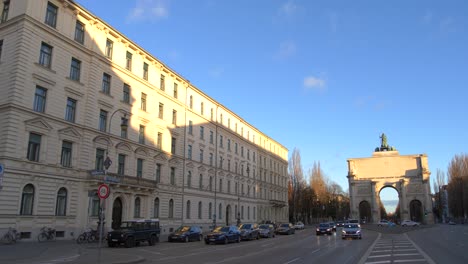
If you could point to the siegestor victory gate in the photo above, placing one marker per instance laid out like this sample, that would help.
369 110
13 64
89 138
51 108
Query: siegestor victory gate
407 174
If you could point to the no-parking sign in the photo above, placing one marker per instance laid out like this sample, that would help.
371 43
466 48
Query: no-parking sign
103 191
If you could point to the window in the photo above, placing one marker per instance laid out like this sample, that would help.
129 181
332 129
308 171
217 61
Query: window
45 57
235 148
201 155
211 114
121 165
211 137
220 141
79 32
221 118
174 117
137 209
191 102
145 70
106 83
188 209
202 108
202 132
220 212
162 83
143 102
175 90
156 208
109 48
99 159
40 99
124 129
51 15
103 120
200 181
210 211
126 93
190 127
229 145
1 48
61 206
211 159
128 64
27 200
220 185
229 187
248 212
242 212
172 176
75 70
173 145
70 111
200 210
210 185
159 140
141 135
139 172
158 173
161 111
171 208
242 151
34 147
95 204
66 157
6 8
189 154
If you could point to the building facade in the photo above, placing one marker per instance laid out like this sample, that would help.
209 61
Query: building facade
82 105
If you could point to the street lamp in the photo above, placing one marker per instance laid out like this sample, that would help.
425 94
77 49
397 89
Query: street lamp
123 126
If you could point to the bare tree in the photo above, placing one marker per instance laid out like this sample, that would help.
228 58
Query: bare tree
458 186
296 180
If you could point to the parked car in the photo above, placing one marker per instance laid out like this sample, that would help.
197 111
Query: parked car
333 225
131 233
324 228
409 223
452 223
352 231
223 234
285 229
249 231
266 230
186 234
299 225
383 222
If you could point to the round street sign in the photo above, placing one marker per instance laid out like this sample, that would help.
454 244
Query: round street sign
103 191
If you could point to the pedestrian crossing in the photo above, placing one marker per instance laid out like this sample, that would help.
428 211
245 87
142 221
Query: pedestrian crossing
396 248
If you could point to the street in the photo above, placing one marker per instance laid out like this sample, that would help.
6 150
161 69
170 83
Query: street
435 244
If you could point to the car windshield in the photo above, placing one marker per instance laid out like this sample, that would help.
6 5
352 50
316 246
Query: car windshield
324 225
183 229
351 226
264 227
284 225
246 226
127 225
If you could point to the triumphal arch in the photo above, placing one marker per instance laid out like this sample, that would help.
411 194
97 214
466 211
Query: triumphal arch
407 174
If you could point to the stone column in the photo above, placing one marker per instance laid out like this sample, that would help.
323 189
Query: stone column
403 202
374 207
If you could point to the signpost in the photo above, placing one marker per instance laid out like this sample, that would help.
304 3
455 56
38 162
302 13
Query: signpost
103 193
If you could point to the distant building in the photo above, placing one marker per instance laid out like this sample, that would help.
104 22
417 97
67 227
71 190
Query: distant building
81 104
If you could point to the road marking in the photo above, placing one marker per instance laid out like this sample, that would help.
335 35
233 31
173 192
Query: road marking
267 245
378 262
420 250
409 260
369 250
380 256
61 260
406 254
380 251
291 261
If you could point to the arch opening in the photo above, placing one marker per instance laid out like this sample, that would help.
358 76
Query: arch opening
389 204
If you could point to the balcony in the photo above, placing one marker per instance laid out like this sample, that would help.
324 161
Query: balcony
121 180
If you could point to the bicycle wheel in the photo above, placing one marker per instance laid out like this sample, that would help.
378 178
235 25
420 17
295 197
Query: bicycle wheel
91 238
42 237
80 239
8 239
52 236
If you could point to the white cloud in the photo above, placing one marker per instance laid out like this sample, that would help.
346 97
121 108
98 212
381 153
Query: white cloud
314 83
289 8
286 50
149 10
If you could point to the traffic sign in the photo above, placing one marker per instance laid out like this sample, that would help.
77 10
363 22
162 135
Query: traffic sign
103 191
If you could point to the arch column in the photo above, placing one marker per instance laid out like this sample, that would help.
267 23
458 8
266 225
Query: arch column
404 213
375 212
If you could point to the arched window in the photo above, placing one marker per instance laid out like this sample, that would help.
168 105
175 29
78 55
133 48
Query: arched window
200 210
61 206
220 211
137 208
187 213
156 208
189 179
27 200
171 208
210 210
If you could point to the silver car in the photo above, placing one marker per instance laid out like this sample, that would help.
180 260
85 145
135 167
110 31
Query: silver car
352 231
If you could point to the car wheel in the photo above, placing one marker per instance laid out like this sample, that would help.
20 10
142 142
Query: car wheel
186 239
130 242
360 237
152 240
226 240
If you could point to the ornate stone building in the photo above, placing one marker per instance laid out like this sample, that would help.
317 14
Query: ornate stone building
81 104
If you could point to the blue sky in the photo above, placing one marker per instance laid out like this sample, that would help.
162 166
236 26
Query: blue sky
326 77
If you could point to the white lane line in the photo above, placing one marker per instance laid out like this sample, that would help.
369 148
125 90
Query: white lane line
291 261
408 249
409 260
420 251
378 262
407 254
379 251
380 256
267 245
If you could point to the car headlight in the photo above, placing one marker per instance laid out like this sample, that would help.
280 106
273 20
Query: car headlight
328 229
318 230
359 231
344 232
122 235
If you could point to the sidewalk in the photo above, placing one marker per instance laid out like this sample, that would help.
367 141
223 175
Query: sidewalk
65 251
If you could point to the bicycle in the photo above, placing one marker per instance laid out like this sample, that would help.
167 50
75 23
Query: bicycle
47 233
11 236
89 236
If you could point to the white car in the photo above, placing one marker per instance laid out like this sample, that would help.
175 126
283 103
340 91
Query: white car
383 222
409 223
299 225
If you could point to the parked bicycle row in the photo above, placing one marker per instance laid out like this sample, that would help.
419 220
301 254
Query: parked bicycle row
12 235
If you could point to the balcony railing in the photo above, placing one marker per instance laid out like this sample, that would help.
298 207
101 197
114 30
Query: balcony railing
277 203
114 178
